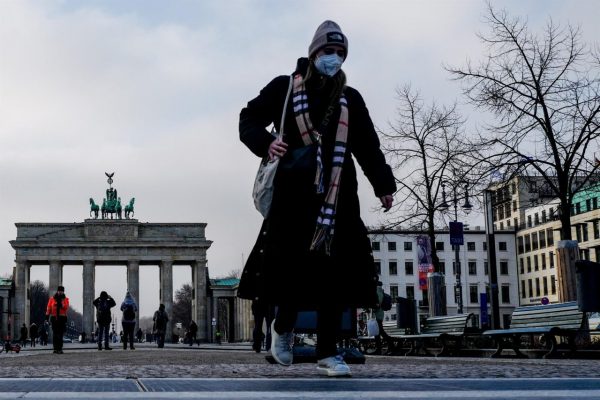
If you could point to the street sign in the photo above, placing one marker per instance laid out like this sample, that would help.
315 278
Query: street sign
456 233
545 300
214 322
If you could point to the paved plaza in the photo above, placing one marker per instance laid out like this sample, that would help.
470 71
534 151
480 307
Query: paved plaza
234 371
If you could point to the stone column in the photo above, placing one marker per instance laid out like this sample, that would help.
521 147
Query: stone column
567 252
21 315
199 301
166 293
55 276
133 285
89 289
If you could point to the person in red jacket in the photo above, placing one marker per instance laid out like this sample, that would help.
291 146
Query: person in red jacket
56 312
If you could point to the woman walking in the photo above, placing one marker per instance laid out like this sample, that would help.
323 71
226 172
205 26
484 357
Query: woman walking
300 262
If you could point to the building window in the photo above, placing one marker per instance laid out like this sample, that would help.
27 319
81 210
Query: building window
443 267
485 244
439 246
529 221
534 241
596 227
407 246
470 246
530 284
553 284
545 285
543 257
542 236
505 293
528 264
536 219
550 237
375 246
473 294
537 287
522 265
410 292
472 267
378 267
393 267
523 291
503 267
551 257
394 292
391 246
544 219
514 205
584 231
527 243
536 266
502 246
486 268
408 268
520 247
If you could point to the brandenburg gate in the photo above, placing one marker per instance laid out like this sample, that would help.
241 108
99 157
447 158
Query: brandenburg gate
113 241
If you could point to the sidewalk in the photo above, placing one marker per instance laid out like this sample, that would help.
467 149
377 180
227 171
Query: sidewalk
239 361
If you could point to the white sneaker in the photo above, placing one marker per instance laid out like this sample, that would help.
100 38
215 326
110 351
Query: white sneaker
333 366
281 346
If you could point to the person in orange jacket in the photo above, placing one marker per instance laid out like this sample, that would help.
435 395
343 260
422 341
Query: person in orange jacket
56 312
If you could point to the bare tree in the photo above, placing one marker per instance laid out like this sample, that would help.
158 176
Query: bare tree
182 306
38 294
426 147
544 94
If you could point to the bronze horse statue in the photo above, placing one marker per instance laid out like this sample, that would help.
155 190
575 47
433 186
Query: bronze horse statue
94 208
129 209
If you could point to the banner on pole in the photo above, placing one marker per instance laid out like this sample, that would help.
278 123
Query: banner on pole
424 260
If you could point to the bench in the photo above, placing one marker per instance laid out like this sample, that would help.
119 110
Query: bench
368 344
449 330
549 321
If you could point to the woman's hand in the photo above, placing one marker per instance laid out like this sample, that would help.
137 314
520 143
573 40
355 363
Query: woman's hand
277 149
386 202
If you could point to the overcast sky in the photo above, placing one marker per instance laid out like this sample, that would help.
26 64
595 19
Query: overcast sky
152 90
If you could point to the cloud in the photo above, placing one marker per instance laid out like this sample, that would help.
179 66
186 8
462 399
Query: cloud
153 93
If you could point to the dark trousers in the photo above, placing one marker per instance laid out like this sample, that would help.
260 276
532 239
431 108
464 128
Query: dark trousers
329 320
384 335
103 330
160 338
58 330
262 313
128 328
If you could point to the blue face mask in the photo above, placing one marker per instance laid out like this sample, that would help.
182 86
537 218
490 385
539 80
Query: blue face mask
329 64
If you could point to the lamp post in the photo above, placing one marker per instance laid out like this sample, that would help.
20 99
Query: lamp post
456 235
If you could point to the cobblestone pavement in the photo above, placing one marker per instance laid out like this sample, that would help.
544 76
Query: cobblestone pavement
241 362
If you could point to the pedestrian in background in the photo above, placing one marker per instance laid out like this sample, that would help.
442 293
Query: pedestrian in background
56 312
299 262
103 305
161 318
139 335
44 333
33 333
193 331
129 308
379 315
23 336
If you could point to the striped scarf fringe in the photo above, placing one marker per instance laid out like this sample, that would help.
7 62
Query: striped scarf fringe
326 220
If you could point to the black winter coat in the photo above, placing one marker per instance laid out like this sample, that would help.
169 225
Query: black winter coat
281 269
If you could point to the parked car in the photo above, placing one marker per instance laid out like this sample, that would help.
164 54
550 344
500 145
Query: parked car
67 339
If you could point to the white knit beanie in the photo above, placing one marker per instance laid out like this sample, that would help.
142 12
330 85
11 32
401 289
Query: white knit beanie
328 33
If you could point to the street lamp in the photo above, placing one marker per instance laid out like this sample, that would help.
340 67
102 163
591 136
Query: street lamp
456 235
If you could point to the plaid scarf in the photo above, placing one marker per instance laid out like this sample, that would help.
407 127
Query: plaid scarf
326 219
